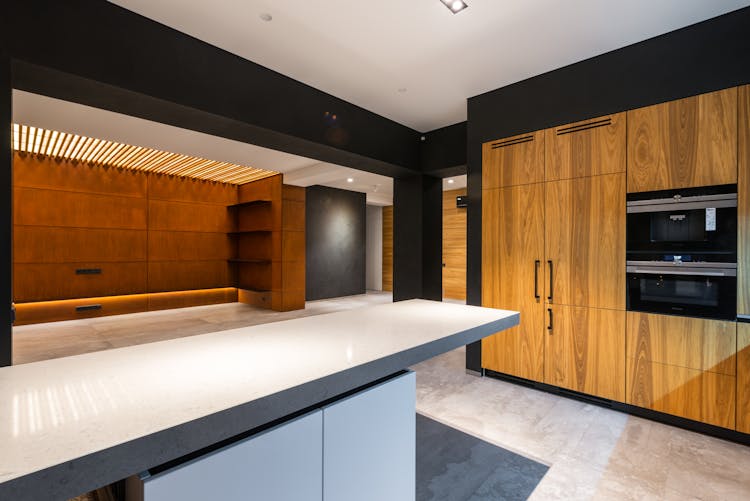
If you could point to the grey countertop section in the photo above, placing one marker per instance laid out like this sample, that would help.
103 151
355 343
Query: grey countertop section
74 424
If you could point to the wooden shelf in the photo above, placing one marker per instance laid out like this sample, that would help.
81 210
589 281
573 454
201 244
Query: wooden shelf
254 261
249 231
251 203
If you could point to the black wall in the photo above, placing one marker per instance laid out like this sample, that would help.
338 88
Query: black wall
6 213
443 151
707 56
335 238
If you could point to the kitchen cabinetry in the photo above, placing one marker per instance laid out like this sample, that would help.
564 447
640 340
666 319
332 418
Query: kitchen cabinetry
587 148
512 270
682 366
584 349
513 161
585 241
743 203
559 246
684 143
743 377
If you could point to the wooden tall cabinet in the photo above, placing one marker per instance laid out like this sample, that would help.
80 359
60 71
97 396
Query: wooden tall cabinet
684 143
555 251
512 254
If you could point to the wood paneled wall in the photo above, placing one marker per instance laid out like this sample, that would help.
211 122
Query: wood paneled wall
388 248
454 246
144 233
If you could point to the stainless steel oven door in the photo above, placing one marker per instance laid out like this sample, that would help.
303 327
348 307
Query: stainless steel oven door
707 290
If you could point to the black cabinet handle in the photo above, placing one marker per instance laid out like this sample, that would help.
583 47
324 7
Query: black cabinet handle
537 263
549 327
549 298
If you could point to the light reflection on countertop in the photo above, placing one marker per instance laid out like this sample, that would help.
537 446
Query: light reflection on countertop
66 408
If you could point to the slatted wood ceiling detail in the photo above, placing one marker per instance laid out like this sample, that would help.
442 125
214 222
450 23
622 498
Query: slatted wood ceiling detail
62 145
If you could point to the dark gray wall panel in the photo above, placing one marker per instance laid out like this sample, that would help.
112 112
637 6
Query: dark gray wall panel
335 242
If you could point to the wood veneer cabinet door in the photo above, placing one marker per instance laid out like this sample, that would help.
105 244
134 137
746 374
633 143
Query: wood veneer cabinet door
512 269
743 201
585 241
682 366
513 161
743 377
584 350
586 148
683 143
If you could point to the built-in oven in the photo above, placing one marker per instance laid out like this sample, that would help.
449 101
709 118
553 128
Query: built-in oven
707 290
682 252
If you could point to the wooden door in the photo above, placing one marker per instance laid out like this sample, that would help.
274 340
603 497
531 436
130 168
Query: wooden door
743 377
388 248
683 143
454 246
743 201
682 366
586 148
584 350
512 255
513 161
585 241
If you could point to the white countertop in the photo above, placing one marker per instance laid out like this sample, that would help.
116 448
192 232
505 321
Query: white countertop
56 411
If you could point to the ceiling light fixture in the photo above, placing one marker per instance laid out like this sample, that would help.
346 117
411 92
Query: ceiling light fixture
455 6
349 180
450 181
266 17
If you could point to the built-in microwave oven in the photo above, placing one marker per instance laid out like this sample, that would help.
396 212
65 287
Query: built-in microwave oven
682 252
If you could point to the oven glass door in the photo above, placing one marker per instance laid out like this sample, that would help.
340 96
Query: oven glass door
687 295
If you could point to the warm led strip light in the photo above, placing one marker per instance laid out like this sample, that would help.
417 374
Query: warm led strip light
92 151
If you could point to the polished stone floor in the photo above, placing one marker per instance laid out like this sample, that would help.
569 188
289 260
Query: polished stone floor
592 452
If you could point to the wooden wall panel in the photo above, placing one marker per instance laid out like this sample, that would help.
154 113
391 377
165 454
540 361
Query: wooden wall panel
695 343
585 351
185 299
682 366
45 282
587 148
513 161
42 244
55 311
180 216
684 143
189 246
34 171
388 248
180 189
743 209
512 243
293 249
454 246
585 240
164 276
743 377
264 189
42 207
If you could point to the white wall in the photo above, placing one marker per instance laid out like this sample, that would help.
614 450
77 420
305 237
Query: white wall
374 248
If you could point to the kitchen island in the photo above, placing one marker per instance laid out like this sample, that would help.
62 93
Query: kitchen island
73 424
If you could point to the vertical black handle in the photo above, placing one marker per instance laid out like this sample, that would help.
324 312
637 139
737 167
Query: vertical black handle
549 298
537 263
549 327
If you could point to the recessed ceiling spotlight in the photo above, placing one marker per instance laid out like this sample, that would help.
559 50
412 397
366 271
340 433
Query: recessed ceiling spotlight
455 6
402 89
349 179
450 181
266 16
